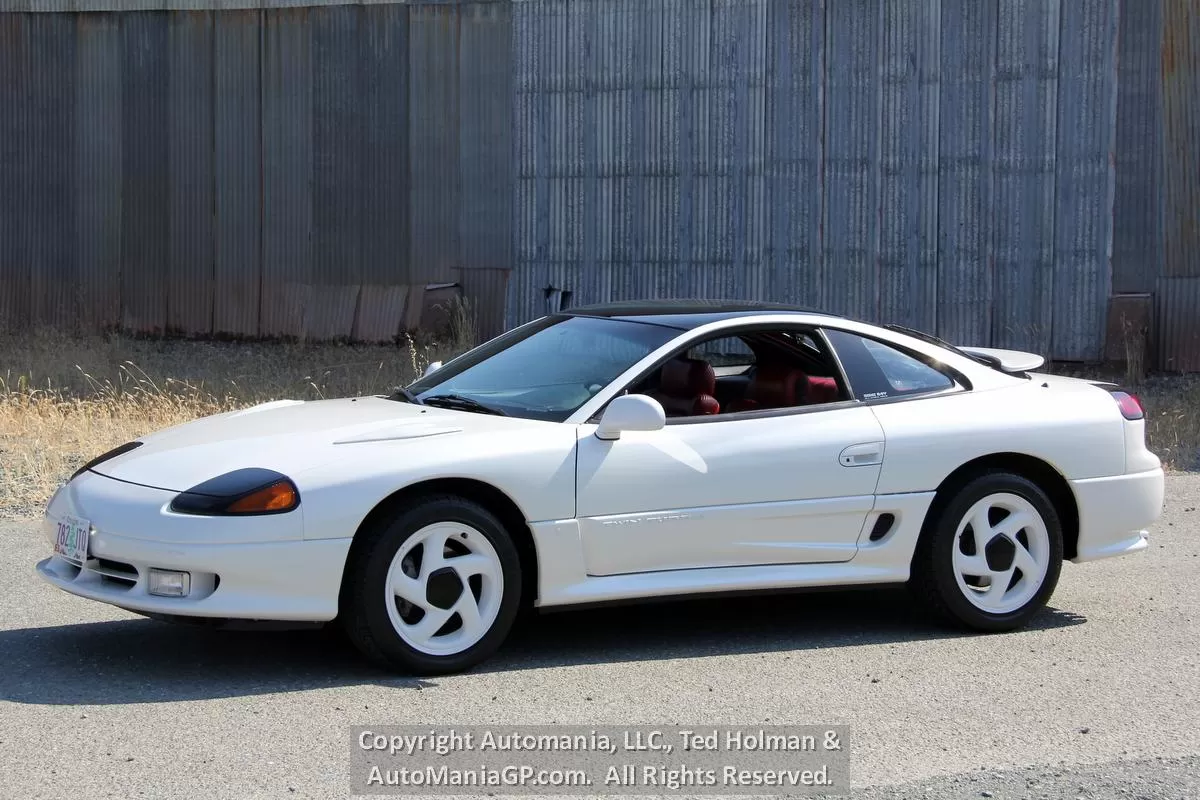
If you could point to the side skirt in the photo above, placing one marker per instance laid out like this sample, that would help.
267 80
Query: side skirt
564 580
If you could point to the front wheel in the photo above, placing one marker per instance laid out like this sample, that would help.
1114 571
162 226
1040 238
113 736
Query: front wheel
434 589
991 558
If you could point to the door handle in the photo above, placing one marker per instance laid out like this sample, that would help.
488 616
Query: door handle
862 455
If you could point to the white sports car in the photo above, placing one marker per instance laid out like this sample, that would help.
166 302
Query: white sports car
614 452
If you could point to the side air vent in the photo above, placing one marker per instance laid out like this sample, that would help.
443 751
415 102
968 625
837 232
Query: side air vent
883 526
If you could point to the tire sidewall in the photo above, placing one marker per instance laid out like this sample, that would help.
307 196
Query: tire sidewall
945 540
374 573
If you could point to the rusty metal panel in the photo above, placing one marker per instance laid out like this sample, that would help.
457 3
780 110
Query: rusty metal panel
97 156
237 267
434 137
965 197
14 173
337 143
1176 328
850 278
486 141
287 134
50 248
190 215
385 190
1126 324
908 242
145 199
1024 178
1137 205
1085 181
1181 137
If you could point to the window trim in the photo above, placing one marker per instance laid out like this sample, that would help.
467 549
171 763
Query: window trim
763 413
959 382
737 416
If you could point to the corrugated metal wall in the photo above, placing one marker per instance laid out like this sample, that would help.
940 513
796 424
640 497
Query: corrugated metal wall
895 161
990 170
1156 242
1178 291
273 172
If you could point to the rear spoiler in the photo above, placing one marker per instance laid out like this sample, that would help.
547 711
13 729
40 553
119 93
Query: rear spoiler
1014 361
1011 361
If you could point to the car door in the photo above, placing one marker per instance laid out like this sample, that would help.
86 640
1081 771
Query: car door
783 486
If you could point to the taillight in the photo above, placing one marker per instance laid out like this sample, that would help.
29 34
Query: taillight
1131 407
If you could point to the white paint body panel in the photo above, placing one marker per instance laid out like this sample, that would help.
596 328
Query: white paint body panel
756 502
742 492
1070 425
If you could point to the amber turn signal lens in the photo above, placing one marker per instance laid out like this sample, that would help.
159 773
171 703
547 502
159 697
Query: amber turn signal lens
277 497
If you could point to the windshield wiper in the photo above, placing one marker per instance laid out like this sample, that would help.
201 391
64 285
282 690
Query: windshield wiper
460 403
400 393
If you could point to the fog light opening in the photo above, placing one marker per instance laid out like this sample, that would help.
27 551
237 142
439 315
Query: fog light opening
169 583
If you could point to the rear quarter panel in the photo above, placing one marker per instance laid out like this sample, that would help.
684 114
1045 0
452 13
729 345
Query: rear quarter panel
1074 427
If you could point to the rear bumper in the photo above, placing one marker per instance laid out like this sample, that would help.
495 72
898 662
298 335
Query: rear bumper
1115 513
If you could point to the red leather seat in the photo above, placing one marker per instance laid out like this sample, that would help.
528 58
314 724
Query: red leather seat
774 386
686 388
821 390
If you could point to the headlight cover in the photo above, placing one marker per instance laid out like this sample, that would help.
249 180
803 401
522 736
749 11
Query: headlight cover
100 459
244 492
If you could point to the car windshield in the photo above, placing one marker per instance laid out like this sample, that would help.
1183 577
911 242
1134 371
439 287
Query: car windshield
545 370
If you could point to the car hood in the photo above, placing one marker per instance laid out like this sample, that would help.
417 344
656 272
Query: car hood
291 436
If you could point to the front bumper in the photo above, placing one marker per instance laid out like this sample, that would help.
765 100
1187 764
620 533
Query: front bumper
242 568
1115 513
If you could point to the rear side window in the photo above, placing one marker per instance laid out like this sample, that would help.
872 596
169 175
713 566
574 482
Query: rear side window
725 353
878 371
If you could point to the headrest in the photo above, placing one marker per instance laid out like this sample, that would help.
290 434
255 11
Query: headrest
777 385
822 390
687 376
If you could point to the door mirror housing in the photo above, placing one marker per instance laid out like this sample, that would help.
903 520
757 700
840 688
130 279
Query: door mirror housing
433 366
630 412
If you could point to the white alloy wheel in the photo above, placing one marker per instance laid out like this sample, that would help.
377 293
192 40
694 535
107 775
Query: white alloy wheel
444 588
1001 553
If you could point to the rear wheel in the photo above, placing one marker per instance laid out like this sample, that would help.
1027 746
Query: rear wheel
991 559
433 589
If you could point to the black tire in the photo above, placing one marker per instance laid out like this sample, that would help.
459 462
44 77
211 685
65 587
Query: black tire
363 610
933 581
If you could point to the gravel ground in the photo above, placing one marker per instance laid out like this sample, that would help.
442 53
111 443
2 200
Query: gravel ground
1143 779
1097 699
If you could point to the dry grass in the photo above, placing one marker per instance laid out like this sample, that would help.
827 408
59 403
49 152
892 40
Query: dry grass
64 400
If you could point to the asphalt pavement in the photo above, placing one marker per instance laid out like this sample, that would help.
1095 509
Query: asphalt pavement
1099 698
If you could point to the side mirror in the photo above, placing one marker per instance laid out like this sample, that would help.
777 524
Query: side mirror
630 412
433 365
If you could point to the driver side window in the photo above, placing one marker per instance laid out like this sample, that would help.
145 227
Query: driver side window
755 370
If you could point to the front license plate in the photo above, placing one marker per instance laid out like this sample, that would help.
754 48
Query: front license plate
72 540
